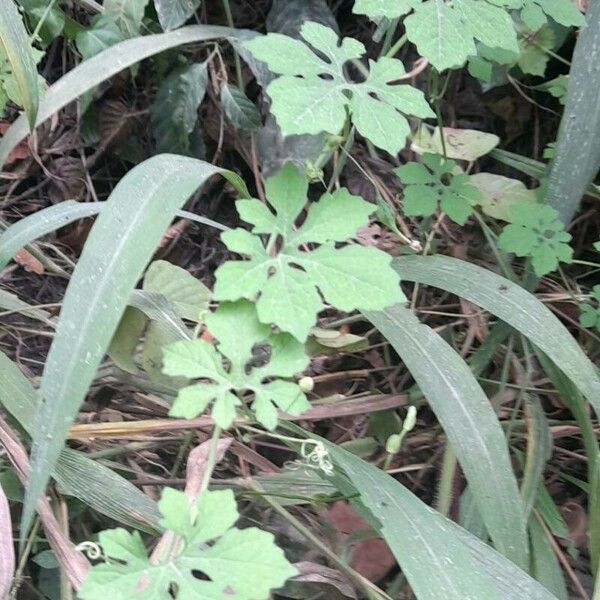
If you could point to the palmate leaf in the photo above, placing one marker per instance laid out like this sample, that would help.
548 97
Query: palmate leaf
314 95
590 314
245 344
286 280
244 564
445 31
436 183
536 231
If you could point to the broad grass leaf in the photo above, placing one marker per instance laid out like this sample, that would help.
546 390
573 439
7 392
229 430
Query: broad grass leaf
468 420
17 48
120 244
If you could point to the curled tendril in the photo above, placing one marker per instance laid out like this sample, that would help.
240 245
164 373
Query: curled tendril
316 456
92 550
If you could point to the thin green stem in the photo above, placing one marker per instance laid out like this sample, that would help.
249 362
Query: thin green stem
396 47
444 497
211 460
238 62
38 27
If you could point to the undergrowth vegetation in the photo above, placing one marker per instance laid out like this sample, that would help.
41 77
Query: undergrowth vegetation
299 299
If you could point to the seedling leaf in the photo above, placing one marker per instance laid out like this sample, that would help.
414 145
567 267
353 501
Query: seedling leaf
437 183
314 95
236 563
286 280
248 357
536 231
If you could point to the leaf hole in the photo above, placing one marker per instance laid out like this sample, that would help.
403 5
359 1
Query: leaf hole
200 575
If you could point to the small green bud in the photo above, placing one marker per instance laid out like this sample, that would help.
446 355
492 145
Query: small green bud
306 384
411 419
313 172
392 446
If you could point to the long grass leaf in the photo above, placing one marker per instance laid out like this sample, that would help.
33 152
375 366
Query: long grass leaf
440 559
118 248
577 154
512 304
104 65
17 48
469 421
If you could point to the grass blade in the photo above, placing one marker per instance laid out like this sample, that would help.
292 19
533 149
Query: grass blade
512 304
545 566
41 223
16 45
439 558
469 421
94 484
47 220
118 248
577 154
95 70
7 551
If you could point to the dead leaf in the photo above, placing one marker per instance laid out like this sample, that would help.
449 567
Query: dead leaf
371 557
29 262
20 152
314 573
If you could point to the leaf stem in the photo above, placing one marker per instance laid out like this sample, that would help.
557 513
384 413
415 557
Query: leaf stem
211 459
238 63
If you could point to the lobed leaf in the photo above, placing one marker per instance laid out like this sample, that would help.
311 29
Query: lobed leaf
286 280
248 357
235 563
313 94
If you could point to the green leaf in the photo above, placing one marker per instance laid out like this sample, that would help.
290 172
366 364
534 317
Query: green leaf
102 34
544 564
237 563
499 194
140 208
53 19
174 13
577 154
313 95
590 314
468 420
510 303
562 11
126 338
436 184
174 112
239 109
126 14
378 9
189 296
87 75
350 277
235 366
445 32
536 231
535 49
442 560
15 44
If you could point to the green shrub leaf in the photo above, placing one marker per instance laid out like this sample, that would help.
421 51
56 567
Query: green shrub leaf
174 112
237 365
126 14
436 184
174 13
445 33
237 563
536 231
349 278
314 95
590 315
240 110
